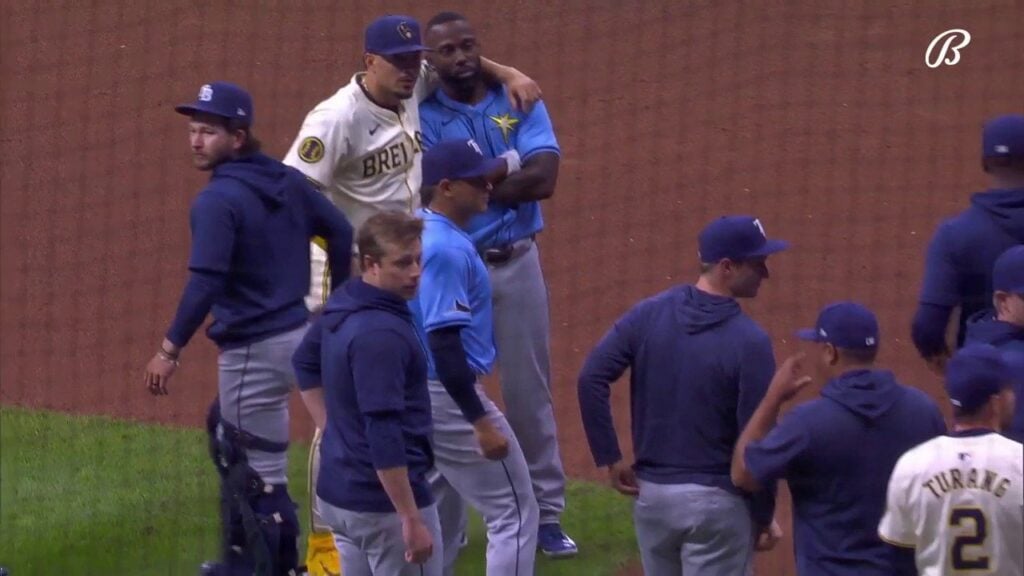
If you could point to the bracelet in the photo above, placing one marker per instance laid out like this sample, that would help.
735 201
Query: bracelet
168 357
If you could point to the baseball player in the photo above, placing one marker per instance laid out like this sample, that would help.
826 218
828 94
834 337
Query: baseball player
362 147
249 267
366 355
957 501
467 105
698 367
476 452
958 267
1004 326
836 452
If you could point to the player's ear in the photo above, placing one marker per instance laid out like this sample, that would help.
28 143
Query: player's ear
999 301
831 354
445 186
241 137
368 60
365 262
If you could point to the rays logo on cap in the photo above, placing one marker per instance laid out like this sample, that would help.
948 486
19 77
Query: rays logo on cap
405 31
472 144
757 222
206 93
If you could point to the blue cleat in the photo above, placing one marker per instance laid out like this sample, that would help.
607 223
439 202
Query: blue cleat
554 543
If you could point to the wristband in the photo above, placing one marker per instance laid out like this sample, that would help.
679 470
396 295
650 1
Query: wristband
512 160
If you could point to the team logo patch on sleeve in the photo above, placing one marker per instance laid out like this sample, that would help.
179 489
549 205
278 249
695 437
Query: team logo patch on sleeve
311 149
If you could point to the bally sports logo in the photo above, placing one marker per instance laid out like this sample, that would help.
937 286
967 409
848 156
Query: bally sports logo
945 43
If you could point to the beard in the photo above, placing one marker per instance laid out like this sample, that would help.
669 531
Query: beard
207 162
463 80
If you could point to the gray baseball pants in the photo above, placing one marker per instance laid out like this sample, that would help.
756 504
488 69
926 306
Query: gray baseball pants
692 530
254 384
371 544
522 338
499 490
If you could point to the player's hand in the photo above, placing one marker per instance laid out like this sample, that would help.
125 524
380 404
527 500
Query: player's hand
623 479
768 537
419 542
158 372
523 91
493 444
789 378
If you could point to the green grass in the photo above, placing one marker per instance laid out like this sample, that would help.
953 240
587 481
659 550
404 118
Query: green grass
96 496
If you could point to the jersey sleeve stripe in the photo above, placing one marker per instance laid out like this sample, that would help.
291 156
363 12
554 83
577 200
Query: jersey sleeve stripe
539 150
438 325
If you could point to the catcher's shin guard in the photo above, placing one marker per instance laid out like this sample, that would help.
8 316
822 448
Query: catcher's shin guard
260 527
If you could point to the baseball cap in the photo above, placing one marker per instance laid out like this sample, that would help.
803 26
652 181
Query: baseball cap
456 160
976 373
1003 137
846 325
393 35
221 99
1008 272
736 238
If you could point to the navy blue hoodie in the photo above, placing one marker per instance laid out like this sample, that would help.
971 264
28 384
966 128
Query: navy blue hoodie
249 266
837 454
983 328
365 352
958 265
698 369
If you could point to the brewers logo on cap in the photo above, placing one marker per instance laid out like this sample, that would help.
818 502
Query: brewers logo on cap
405 31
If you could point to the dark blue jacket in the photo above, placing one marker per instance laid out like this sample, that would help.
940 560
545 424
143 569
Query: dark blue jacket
366 353
958 265
837 454
983 328
251 228
698 369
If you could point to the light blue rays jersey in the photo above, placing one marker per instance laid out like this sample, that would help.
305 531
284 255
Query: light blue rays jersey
497 127
455 290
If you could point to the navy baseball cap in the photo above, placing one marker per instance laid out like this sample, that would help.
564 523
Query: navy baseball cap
976 373
736 238
222 99
1008 272
1003 137
846 325
394 35
456 160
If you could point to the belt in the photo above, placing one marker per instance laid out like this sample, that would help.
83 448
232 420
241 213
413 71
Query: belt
504 254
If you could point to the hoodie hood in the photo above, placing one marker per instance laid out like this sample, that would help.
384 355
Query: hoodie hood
355 296
266 177
867 393
698 311
1006 207
985 329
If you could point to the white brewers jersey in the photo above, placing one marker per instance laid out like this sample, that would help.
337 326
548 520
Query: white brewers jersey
959 502
364 157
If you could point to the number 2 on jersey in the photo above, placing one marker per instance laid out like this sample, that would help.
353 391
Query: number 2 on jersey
961 559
